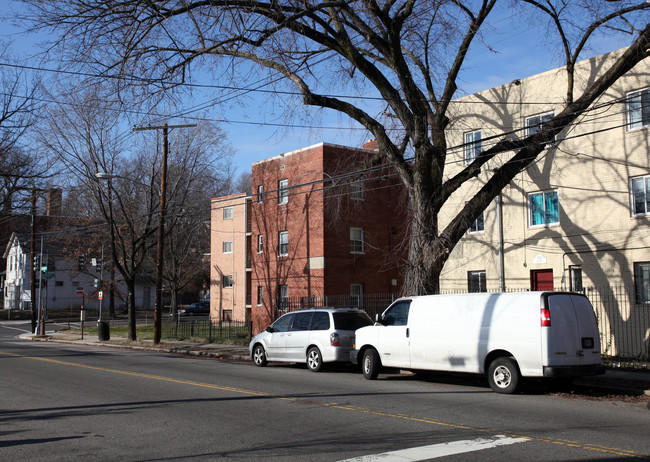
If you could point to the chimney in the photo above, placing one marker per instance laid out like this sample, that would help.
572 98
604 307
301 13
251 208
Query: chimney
54 202
371 145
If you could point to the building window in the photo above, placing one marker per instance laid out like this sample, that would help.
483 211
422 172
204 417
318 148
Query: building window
227 282
642 282
227 246
227 213
260 194
640 196
472 146
260 243
283 247
575 278
535 124
283 191
283 297
226 316
476 281
356 295
58 283
638 109
478 226
356 240
356 190
260 295
543 209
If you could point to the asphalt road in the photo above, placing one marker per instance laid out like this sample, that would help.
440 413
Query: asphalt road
71 402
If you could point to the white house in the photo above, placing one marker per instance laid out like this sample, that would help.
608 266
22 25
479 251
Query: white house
58 281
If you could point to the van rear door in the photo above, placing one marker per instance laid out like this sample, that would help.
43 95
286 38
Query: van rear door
572 338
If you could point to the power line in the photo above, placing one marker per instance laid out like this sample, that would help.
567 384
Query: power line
246 89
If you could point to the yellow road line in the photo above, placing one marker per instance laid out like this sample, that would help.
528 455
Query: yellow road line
345 407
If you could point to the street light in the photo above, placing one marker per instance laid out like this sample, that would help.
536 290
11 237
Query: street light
110 176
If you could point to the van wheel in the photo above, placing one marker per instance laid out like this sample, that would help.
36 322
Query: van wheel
259 356
503 375
314 360
370 364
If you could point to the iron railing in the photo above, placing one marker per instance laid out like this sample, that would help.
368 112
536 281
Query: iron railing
206 330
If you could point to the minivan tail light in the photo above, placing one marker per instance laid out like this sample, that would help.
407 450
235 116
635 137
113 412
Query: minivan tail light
546 317
335 339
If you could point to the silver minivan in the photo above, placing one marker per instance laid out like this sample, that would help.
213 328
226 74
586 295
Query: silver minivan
313 336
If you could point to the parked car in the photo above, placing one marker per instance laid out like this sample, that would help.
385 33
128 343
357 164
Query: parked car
313 336
195 308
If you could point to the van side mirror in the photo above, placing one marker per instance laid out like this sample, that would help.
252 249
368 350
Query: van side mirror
269 329
379 318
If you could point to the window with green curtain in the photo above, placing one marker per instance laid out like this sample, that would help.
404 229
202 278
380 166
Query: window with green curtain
544 208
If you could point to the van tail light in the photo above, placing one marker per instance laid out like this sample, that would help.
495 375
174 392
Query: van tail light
335 339
546 317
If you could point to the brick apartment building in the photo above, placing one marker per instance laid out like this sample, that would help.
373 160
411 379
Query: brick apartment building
321 226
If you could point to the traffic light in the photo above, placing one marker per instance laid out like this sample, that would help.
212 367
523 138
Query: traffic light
37 263
98 268
98 284
82 262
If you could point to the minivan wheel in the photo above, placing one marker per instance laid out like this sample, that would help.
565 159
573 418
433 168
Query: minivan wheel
503 375
370 364
314 360
259 356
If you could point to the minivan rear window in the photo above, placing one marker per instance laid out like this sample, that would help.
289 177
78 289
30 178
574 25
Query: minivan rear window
351 321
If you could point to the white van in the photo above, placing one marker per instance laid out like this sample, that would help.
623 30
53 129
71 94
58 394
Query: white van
503 335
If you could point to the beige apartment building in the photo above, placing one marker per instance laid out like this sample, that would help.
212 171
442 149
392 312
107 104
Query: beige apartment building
230 265
579 217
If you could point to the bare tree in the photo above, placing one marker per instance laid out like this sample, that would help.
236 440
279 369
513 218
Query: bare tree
86 133
243 183
407 53
21 169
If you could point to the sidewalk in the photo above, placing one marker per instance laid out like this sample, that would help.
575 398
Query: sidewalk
614 381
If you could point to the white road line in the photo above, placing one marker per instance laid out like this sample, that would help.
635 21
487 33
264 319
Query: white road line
16 328
434 451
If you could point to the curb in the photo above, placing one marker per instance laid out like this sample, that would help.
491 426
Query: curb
202 352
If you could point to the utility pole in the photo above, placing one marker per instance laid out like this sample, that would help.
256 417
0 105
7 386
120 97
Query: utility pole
40 330
157 315
32 255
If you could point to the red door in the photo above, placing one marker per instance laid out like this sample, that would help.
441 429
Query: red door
541 279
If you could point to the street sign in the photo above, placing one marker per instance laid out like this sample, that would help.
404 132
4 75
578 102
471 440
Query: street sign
48 275
100 295
80 291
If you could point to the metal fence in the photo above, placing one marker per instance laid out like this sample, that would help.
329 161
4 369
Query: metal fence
204 329
624 324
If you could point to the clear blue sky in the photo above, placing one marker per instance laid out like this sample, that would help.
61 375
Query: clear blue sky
521 53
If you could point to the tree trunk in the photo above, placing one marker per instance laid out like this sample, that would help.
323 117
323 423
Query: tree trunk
174 301
427 254
130 303
111 302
